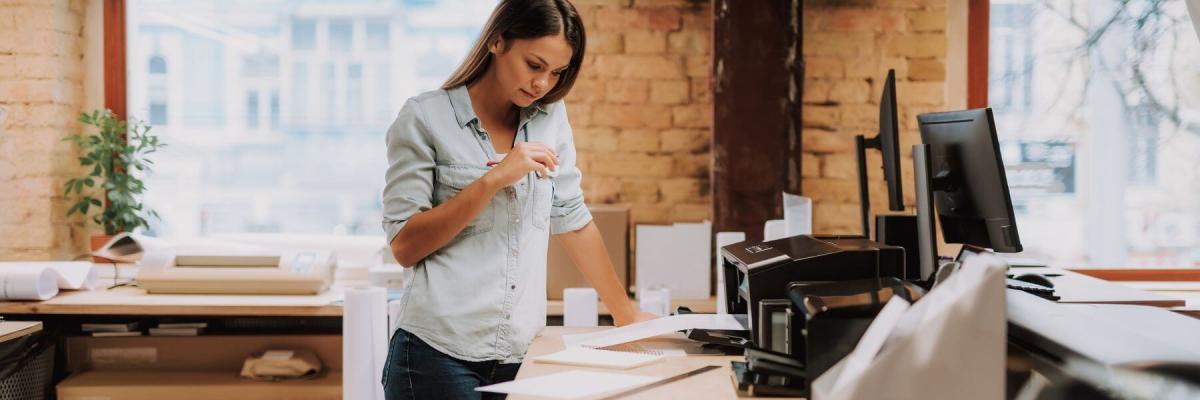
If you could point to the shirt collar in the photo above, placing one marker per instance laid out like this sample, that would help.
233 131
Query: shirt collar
460 100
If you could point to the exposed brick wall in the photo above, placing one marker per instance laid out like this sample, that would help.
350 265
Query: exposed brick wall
41 85
848 48
641 109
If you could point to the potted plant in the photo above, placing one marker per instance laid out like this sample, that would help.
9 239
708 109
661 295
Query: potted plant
115 154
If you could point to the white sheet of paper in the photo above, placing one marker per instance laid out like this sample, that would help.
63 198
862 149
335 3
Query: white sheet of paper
588 357
872 340
75 275
651 328
570 384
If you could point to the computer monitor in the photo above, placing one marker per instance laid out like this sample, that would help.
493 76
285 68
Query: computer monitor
887 141
967 181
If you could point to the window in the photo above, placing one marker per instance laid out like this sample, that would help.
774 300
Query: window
278 109
1095 102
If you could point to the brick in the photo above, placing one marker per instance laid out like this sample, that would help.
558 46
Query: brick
686 140
843 44
860 116
810 165
602 189
8 21
692 116
917 45
614 19
850 91
669 92
605 43
681 190
825 141
641 213
700 90
632 165
659 18
921 92
865 20
699 66
691 212
841 165
693 165
926 70
596 139
835 190
586 91
690 42
698 18
631 116
645 42
927 20
639 66
581 115
835 218
626 91
639 190
816 91
638 140
816 116
823 67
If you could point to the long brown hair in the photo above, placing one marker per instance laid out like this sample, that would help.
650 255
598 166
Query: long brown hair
526 19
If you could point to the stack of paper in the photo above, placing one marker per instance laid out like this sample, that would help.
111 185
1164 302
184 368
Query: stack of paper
588 357
111 329
178 329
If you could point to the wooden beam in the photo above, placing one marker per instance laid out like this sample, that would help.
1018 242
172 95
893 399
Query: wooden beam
978 25
757 82
114 57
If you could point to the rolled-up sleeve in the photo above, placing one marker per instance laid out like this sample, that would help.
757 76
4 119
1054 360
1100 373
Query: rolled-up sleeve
409 179
568 213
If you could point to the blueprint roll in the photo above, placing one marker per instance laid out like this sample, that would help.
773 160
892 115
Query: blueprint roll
364 342
27 282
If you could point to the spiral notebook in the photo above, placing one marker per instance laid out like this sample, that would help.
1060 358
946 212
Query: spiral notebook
588 357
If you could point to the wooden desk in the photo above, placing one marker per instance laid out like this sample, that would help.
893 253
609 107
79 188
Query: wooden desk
716 384
1074 287
134 301
10 330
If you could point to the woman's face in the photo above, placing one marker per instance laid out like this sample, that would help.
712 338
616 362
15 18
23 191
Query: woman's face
529 68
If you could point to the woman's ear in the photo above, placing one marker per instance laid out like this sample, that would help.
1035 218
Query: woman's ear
496 46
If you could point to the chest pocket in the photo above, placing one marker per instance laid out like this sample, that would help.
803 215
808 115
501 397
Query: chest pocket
450 180
543 191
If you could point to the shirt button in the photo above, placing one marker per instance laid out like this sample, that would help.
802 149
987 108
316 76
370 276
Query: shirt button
517 220
514 252
514 287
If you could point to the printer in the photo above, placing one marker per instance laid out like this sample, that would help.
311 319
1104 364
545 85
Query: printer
758 275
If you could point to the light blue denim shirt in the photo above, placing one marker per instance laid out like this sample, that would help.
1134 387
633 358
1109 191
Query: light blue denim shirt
482 296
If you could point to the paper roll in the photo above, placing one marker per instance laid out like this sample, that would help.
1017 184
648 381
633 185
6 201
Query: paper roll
724 239
364 342
27 282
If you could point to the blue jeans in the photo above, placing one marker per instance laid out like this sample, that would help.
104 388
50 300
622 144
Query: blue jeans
414 370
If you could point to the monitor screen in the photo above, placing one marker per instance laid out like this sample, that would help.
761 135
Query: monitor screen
970 189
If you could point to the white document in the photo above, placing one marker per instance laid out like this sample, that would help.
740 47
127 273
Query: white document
19 281
797 214
951 344
570 384
774 229
675 257
587 357
651 328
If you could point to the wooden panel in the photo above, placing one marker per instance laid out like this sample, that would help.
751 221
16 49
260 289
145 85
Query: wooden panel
756 115
114 56
1143 275
978 24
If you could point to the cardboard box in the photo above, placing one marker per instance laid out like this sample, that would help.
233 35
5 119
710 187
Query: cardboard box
193 385
613 222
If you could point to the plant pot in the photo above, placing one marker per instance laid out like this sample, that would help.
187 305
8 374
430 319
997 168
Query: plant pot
97 242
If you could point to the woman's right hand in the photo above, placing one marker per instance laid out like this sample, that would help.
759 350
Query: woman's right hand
525 157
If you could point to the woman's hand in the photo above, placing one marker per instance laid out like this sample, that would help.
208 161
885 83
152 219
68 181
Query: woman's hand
644 316
521 160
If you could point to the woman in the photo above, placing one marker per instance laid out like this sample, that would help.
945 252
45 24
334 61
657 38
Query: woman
480 174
